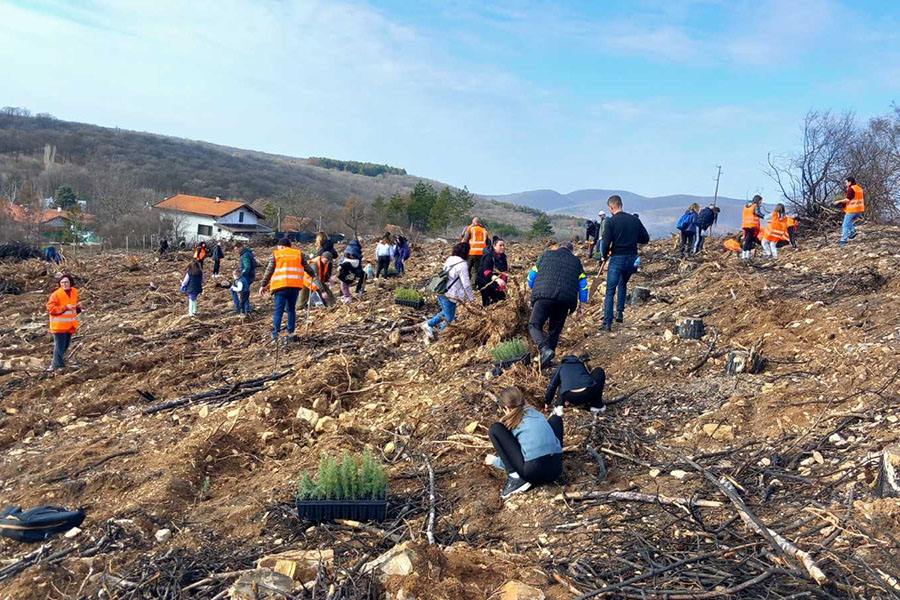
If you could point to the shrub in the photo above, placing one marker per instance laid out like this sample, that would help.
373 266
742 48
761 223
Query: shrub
407 294
353 478
509 349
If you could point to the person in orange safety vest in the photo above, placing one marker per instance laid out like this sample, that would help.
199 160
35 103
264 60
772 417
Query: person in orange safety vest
64 309
750 223
854 205
286 274
774 232
200 253
478 238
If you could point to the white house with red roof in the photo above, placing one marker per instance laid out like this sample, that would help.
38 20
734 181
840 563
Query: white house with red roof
197 219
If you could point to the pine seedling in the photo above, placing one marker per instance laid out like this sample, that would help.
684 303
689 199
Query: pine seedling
509 349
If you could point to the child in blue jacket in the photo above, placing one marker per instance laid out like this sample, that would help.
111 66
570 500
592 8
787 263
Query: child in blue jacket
192 285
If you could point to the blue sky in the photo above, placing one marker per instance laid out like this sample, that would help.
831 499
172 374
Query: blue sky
499 96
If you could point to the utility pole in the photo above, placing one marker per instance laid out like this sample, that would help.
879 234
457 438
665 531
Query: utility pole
718 176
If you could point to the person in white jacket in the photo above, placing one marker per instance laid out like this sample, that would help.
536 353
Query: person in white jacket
459 290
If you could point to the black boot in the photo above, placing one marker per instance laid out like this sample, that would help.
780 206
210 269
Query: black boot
547 356
620 317
606 327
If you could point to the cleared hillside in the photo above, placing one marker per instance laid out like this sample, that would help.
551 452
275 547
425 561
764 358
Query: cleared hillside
798 441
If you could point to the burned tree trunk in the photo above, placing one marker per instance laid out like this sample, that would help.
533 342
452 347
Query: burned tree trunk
888 484
744 362
690 329
640 295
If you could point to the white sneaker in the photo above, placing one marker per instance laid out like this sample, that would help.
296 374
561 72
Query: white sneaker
428 329
558 411
598 410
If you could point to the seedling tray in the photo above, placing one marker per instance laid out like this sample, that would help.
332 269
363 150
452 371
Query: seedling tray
502 365
410 303
318 511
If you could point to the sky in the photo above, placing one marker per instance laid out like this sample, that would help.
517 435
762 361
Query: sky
501 97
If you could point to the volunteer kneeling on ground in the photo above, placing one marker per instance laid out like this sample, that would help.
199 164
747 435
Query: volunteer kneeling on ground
528 444
64 309
574 384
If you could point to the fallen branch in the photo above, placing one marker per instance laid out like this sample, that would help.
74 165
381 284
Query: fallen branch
429 532
93 465
218 393
639 497
781 545
709 350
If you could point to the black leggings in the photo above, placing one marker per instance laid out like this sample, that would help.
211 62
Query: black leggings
687 242
384 265
592 396
749 238
544 469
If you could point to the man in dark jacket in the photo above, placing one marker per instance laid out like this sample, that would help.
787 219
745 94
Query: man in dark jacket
217 255
574 385
558 287
247 266
619 243
707 218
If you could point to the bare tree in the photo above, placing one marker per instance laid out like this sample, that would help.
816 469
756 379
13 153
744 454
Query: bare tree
354 214
810 180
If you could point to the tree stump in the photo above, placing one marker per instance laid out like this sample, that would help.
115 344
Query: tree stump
690 329
639 295
744 362
888 483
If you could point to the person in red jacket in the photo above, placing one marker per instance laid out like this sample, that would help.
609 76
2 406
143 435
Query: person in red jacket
64 309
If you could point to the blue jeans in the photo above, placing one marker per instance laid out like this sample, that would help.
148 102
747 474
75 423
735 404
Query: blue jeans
241 301
398 265
447 314
61 343
285 299
849 228
620 270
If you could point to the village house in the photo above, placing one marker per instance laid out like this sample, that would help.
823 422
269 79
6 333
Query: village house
197 219
54 224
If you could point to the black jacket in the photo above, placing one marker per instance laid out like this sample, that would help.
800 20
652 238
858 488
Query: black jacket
622 234
327 246
571 375
558 276
707 217
490 262
217 253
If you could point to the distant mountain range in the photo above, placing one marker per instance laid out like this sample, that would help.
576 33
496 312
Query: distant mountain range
659 214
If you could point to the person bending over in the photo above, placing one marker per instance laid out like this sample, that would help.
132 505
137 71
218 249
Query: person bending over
574 384
529 446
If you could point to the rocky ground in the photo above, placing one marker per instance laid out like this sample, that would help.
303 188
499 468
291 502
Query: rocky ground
797 444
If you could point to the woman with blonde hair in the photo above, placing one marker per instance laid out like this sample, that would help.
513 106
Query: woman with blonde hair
687 225
528 444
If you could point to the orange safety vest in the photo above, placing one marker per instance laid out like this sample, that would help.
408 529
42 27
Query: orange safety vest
200 253
791 221
477 240
732 245
776 230
289 271
750 220
857 204
62 319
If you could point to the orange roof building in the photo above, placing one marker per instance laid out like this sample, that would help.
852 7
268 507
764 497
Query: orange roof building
196 218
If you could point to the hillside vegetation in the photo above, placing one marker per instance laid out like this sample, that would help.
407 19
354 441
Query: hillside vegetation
120 172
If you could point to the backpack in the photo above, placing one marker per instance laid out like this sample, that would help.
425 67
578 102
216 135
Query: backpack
686 221
440 283
38 524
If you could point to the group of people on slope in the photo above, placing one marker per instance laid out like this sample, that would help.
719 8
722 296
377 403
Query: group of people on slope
528 444
695 226
243 276
780 231
479 254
